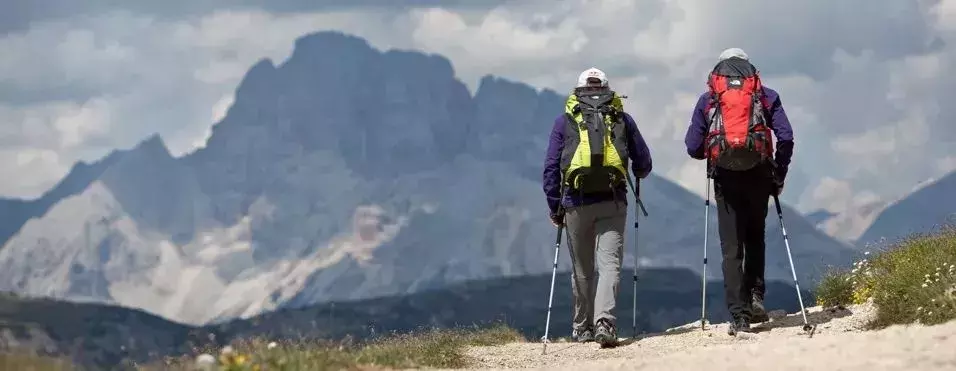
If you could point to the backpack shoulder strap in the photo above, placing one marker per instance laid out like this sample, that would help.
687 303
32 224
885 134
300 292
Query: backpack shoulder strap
763 100
765 103
622 120
569 118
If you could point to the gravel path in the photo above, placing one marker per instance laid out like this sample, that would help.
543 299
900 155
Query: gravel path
837 343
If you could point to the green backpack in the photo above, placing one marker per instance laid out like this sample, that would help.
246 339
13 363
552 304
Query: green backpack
595 160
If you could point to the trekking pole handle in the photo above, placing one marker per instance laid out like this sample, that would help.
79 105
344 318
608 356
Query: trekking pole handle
776 197
637 197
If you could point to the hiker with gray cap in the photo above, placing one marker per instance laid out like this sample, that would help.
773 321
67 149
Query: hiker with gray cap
731 128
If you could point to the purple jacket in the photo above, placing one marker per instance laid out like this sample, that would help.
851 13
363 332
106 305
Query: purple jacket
779 123
639 154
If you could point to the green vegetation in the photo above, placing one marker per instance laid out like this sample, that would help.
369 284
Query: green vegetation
444 348
912 281
438 348
22 361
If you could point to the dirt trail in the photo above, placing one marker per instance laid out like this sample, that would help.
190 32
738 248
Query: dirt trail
837 343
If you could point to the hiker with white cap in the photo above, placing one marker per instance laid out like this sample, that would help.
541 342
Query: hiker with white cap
593 143
731 128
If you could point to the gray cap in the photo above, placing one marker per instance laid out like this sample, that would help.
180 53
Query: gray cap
733 52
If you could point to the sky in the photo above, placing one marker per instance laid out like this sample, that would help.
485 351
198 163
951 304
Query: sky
864 82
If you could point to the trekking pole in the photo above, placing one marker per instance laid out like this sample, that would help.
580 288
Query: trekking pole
554 272
786 242
703 277
637 204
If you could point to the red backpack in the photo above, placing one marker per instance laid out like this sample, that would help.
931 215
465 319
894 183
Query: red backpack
739 137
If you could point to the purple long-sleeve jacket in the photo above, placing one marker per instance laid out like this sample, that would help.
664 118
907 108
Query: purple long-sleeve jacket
638 153
779 123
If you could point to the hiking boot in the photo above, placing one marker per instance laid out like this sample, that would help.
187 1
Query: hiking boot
758 310
605 333
582 336
738 324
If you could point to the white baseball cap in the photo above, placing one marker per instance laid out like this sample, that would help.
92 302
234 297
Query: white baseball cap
733 52
592 73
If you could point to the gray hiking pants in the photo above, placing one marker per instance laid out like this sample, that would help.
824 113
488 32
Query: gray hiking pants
596 234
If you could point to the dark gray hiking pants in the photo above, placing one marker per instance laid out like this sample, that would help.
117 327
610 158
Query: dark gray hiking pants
596 234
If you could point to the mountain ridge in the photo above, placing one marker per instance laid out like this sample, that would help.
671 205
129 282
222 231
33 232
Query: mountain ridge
14 213
929 206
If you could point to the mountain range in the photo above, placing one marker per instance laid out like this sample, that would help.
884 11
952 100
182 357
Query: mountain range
342 173
927 208
879 224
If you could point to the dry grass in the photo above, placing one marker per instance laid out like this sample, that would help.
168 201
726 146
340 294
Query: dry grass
913 281
433 348
32 362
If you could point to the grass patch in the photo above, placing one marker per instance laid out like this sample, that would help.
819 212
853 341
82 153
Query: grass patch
912 281
31 362
444 348
835 289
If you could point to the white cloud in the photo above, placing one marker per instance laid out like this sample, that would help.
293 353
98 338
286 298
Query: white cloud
945 12
503 43
221 107
854 209
674 38
946 165
832 195
120 77
51 56
30 169
878 141
77 124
